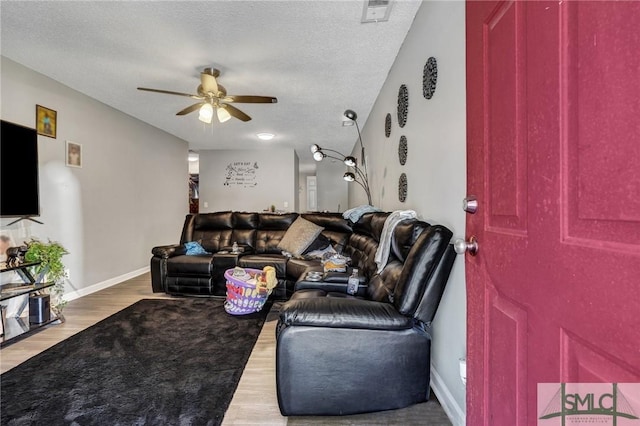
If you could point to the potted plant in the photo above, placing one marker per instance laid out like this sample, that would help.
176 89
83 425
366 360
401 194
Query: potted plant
49 255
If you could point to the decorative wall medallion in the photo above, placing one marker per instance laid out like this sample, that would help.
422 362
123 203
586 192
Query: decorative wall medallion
429 78
402 188
387 125
402 150
403 105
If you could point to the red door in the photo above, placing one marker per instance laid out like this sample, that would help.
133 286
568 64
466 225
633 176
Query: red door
553 116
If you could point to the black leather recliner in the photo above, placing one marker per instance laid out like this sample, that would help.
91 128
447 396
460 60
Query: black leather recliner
340 355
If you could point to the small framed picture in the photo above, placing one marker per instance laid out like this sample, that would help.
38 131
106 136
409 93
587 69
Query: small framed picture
46 121
74 154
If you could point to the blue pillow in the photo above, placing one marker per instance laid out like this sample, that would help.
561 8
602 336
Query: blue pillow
193 248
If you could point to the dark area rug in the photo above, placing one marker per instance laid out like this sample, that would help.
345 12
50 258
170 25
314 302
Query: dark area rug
157 362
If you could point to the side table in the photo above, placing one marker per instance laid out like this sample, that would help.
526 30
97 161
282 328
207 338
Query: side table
14 328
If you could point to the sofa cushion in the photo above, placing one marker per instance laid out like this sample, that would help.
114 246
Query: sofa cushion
189 266
296 267
299 236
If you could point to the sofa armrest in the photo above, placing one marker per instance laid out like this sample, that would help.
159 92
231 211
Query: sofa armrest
343 313
166 252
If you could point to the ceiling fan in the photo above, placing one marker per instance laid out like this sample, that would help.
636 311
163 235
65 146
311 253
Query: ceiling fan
213 96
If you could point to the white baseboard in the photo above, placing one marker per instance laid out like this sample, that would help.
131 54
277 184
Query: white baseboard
448 403
72 295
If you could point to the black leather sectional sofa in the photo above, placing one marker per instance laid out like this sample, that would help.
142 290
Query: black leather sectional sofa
336 353
258 235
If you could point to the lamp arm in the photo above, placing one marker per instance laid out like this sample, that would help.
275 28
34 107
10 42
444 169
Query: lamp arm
363 177
333 150
331 156
364 184
367 191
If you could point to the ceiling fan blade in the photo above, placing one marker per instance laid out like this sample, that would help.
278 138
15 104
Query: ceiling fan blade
236 112
191 108
209 83
252 99
168 92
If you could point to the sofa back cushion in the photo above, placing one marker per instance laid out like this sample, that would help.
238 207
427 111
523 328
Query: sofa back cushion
405 235
336 228
212 230
371 224
271 230
362 251
244 229
382 286
425 274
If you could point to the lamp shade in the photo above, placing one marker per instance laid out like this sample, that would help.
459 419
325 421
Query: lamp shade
349 177
206 113
351 114
318 155
350 161
223 114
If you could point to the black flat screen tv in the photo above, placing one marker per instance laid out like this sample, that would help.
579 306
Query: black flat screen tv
19 193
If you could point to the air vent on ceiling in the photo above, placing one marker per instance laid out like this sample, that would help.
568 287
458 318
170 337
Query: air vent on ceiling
376 11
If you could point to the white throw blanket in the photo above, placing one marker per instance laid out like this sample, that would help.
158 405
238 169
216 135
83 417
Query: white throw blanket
384 248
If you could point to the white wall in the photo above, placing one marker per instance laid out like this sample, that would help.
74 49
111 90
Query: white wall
276 180
436 166
130 195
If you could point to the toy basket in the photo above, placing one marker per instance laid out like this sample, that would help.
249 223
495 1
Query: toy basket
243 298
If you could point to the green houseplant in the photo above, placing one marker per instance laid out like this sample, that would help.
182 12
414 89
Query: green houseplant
49 255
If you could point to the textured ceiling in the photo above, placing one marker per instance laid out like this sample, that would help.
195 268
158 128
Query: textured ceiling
316 57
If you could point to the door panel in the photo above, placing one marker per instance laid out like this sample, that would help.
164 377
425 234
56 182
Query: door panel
507 360
600 85
553 128
506 142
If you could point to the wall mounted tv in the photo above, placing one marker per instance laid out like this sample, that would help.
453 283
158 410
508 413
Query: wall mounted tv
19 194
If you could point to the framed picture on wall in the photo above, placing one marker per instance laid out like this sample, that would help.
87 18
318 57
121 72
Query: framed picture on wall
46 121
73 154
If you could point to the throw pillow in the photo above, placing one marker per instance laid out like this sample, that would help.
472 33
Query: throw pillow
194 248
299 236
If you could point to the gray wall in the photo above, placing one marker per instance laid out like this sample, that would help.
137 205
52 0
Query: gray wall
276 180
130 195
436 166
332 188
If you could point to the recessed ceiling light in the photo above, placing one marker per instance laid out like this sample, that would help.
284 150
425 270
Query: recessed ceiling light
265 136
347 123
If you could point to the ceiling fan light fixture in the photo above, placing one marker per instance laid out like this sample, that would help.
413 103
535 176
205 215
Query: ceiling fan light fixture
206 113
223 114
265 136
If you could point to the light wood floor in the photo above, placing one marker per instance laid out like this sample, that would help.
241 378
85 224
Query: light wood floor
254 402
